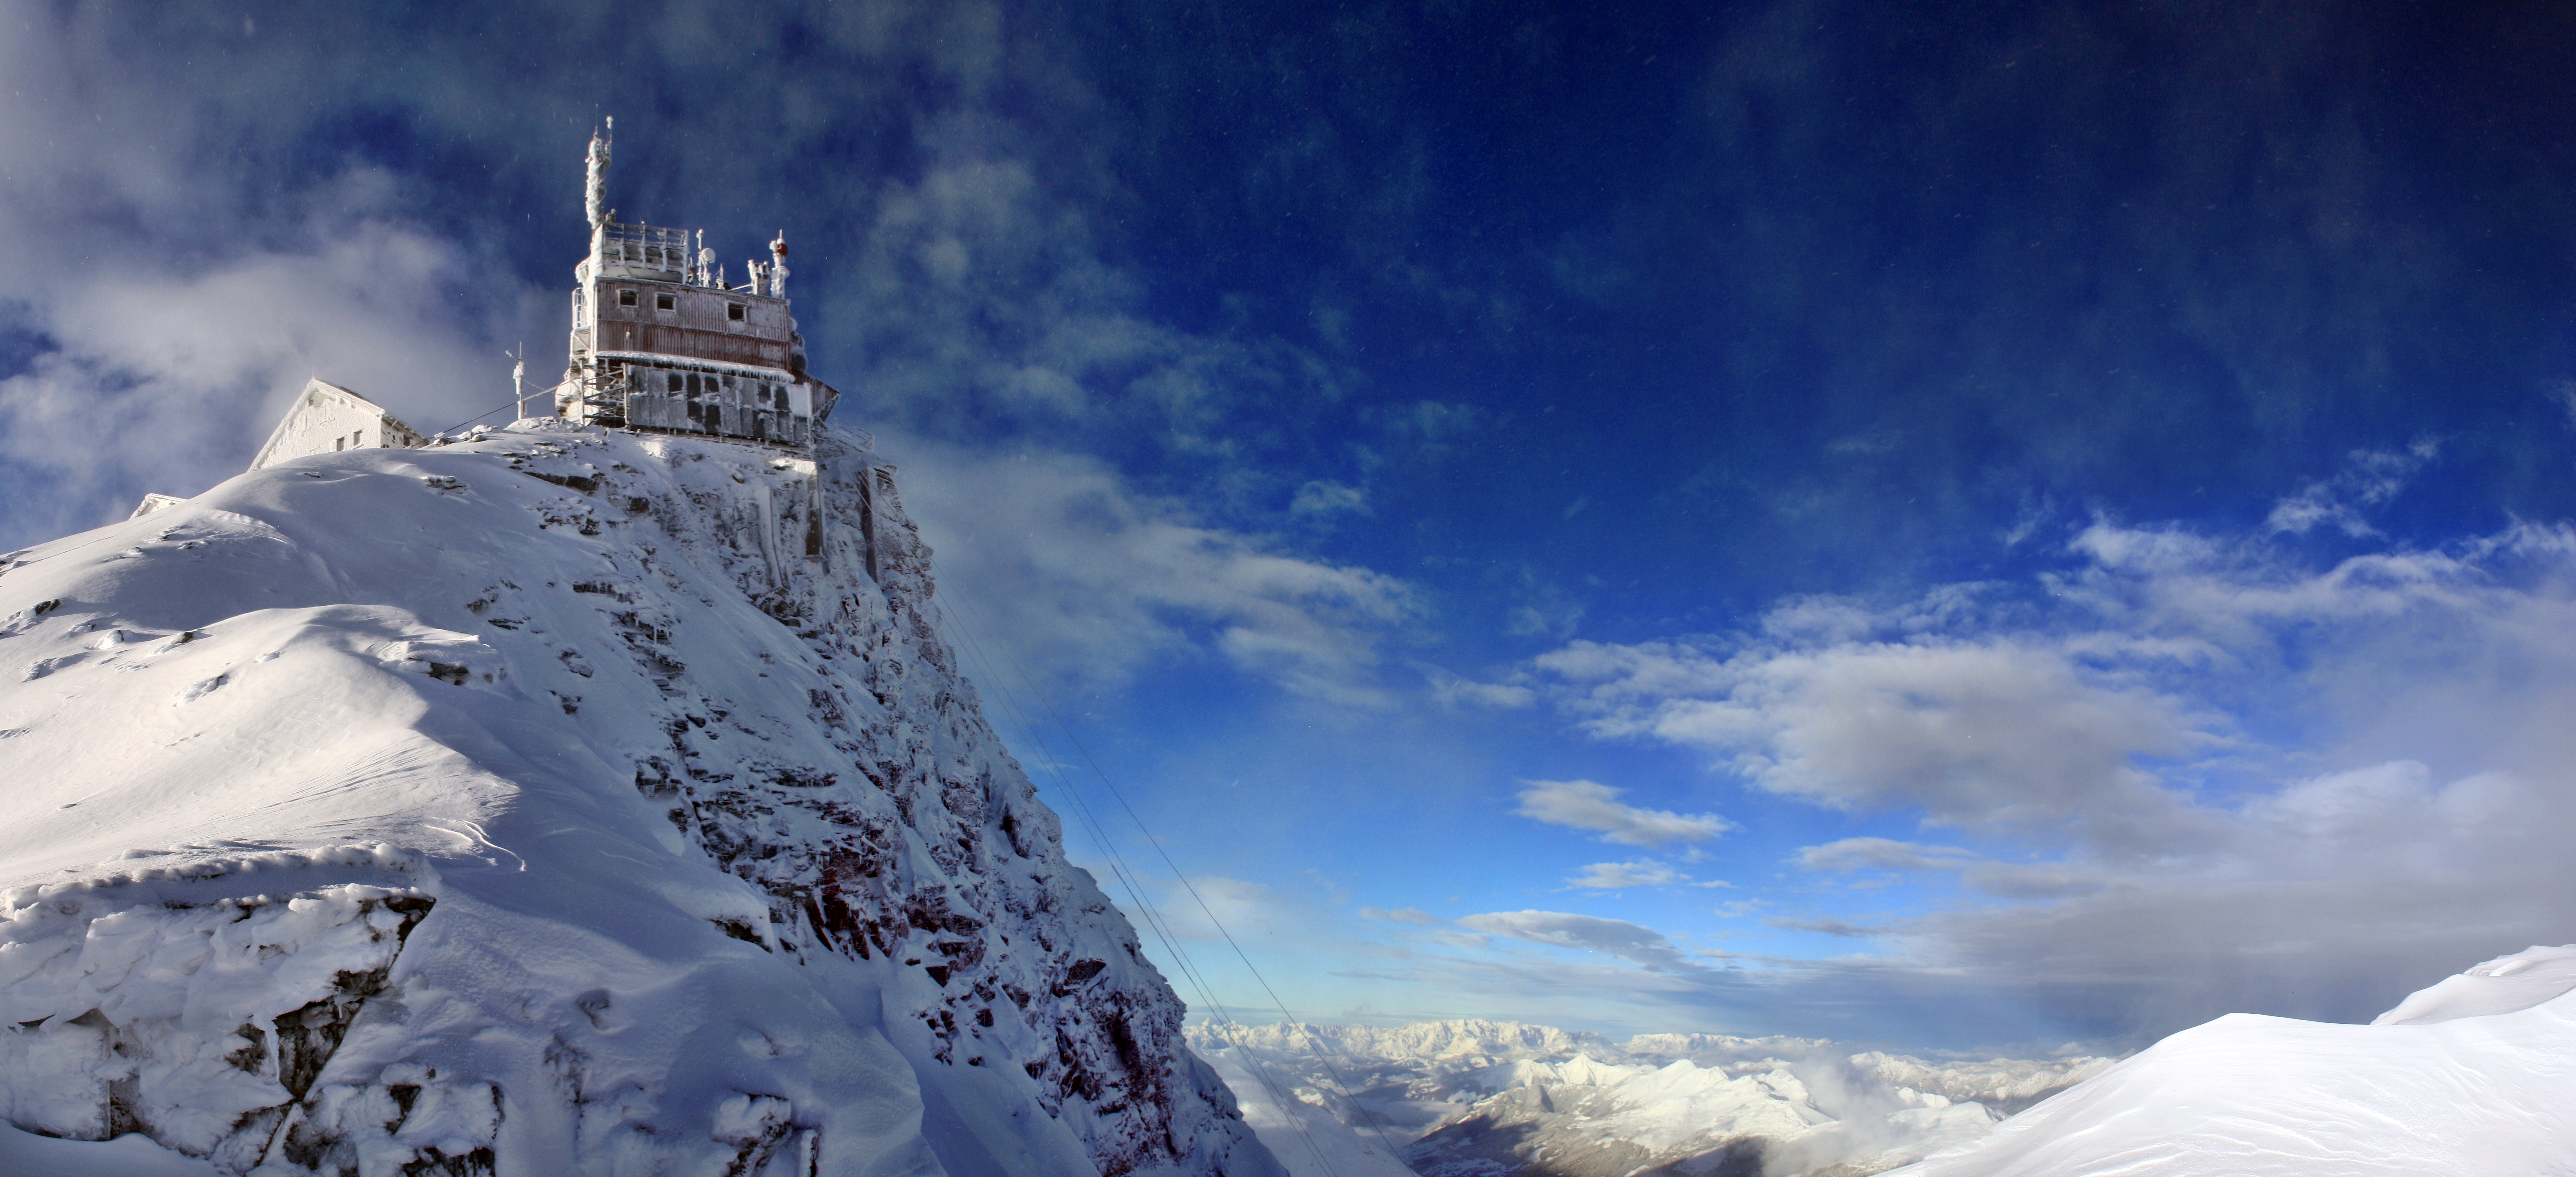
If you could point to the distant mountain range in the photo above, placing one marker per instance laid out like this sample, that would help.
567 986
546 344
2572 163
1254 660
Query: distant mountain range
1476 1098
2468 1077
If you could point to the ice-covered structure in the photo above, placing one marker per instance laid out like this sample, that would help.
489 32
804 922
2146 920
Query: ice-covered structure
326 418
661 342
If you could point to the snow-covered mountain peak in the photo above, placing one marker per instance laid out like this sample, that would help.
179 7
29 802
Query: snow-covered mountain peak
556 801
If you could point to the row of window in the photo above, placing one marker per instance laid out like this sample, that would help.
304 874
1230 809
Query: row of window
692 385
669 302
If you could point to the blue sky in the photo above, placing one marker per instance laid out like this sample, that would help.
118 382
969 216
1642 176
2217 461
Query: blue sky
1953 524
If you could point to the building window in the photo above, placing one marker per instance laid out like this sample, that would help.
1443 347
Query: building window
664 302
626 298
733 311
675 383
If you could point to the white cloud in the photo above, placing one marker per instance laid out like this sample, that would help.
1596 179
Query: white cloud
1586 805
173 304
1619 876
2039 880
1449 690
1329 498
2369 478
1083 577
1401 915
2001 880
1983 732
1883 854
1633 943
1826 927
2193 773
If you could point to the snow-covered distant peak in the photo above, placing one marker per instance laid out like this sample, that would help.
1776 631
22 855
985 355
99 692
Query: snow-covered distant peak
1461 1038
1707 1048
1513 1099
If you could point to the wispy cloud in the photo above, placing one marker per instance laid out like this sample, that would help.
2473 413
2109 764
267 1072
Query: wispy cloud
1450 690
1634 943
1837 928
2003 880
1588 805
1401 915
1884 854
2369 478
1328 498
1085 577
1620 876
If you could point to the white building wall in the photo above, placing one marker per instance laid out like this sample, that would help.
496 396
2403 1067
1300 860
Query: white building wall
328 418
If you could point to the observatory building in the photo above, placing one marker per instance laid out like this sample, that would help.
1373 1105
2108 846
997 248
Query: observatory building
661 341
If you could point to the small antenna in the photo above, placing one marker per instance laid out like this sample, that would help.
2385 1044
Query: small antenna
519 378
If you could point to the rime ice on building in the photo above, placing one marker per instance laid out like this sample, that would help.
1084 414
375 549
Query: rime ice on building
326 418
661 341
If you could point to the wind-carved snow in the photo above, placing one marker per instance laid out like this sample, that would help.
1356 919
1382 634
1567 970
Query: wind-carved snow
554 802
1507 1099
2472 1076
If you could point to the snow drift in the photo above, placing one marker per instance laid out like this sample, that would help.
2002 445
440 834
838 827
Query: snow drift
2475 1075
557 801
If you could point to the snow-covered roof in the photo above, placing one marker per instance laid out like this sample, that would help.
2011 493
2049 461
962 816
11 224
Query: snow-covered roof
327 417
154 502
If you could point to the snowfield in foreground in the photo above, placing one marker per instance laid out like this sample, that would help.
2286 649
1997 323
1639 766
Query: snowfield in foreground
554 803
1507 1099
2473 1076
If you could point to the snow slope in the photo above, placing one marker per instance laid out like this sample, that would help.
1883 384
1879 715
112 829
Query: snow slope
1490 1099
2475 1075
554 802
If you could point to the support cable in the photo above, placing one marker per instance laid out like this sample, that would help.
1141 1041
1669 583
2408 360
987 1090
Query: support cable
1376 1124
515 402
1154 919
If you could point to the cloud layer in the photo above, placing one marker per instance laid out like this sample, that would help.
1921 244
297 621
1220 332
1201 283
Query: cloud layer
2193 774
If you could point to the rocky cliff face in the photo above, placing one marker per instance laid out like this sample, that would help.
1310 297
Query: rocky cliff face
556 801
